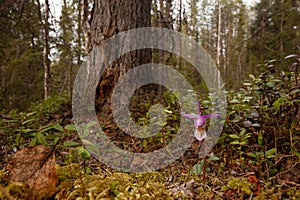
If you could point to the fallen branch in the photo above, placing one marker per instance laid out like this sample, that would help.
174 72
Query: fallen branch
290 182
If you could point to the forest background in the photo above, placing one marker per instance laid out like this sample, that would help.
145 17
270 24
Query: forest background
247 37
256 48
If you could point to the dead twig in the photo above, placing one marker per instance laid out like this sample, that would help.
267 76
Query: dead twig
286 171
290 182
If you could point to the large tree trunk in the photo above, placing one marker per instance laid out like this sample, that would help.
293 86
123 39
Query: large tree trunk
109 17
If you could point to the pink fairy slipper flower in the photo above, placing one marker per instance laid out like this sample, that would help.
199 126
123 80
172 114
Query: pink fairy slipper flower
199 122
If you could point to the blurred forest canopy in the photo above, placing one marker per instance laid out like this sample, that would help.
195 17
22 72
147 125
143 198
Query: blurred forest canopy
239 38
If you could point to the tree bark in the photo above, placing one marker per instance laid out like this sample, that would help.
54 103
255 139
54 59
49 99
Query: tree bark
79 43
109 17
86 27
46 51
219 34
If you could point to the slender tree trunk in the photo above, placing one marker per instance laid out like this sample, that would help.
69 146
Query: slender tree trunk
179 29
180 18
161 54
168 14
69 59
161 16
86 26
218 56
79 44
219 38
228 52
156 15
39 11
281 33
262 46
46 51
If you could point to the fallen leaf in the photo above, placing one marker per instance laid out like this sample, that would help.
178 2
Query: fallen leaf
34 166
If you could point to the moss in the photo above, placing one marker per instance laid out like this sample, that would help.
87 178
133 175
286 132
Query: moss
3 174
293 193
271 193
117 186
69 172
18 191
278 192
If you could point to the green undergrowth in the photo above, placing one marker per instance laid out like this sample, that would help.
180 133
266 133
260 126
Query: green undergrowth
256 157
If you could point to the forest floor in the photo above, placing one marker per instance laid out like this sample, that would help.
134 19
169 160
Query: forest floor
64 169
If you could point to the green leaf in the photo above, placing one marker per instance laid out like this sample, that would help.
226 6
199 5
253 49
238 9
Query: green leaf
251 162
234 101
197 168
85 133
243 131
234 136
46 128
235 142
91 147
260 139
271 61
58 127
31 113
168 111
51 137
267 116
70 127
88 170
28 130
251 154
252 76
71 144
247 84
33 142
222 139
271 153
42 139
232 112
56 140
83 153
90 124
294 91
10 120
18 138
213 158
297 153
28 121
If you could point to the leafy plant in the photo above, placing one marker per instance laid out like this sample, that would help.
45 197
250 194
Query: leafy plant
238 188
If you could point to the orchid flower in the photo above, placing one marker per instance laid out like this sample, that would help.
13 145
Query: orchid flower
199 122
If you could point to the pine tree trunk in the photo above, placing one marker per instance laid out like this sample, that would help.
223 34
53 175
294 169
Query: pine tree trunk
109 17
